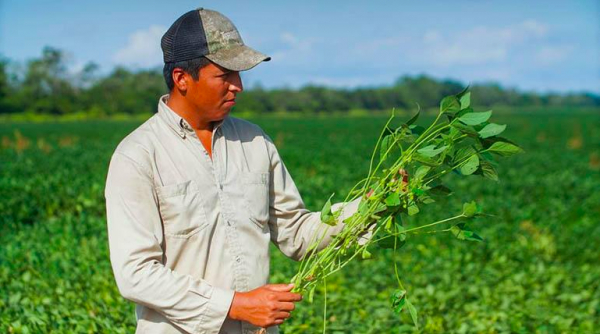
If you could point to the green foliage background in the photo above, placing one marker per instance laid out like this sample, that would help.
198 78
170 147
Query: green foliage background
538 270
45 87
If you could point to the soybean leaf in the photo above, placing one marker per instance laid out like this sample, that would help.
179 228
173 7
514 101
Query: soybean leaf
388 241
461 233
380 207
440 190
366 254
327 216
470 166
449 104
504 149
421 172
465 100
398 299
425 160
491 129
430 151
463 92
475 118
414 118
385 145
416 129
464 111
392 200
488 171
427 200
466 129
413 209
413 312
470 209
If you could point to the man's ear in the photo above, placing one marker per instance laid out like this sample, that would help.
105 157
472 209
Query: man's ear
179 79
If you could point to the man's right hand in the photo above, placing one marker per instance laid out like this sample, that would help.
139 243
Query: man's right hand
265 306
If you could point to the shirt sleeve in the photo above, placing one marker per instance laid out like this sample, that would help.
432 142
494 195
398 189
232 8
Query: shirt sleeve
134 235
293 227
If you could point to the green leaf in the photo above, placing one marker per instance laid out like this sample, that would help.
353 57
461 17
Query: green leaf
475 118
491 129
425 160
421 172
414 118
488 171
366 254
413 209
385 145
470 209
393 199
461 233
327 216
465 100
413 312
380 207
398 299
389 241
417 129
463 153
470 166
449 104
466 129
426 200
504 149
440 190
430 151
463 92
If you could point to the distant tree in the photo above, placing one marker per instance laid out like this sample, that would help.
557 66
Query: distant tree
46 87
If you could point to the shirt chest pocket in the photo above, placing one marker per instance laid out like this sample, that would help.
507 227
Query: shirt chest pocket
256 196
181 209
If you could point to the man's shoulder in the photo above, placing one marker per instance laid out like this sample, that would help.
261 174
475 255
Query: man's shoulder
246 129
138 144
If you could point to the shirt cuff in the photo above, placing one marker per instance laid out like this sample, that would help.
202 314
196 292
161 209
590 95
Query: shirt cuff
217 311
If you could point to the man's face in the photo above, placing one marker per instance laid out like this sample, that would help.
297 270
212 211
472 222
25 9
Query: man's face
214 93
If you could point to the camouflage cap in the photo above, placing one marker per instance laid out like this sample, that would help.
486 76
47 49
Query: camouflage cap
208 33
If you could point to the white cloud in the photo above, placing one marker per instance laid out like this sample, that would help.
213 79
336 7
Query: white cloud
550 55
143 48
479 45
292 47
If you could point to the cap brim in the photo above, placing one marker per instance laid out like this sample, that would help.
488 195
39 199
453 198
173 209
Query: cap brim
238 58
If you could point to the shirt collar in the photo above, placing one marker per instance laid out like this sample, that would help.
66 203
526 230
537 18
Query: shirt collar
176 122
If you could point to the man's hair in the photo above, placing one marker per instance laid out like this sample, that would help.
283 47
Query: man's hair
191 67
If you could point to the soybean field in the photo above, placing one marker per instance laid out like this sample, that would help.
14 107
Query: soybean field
537 271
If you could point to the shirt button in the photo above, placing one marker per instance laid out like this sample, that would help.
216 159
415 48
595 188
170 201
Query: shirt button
238 259
221 186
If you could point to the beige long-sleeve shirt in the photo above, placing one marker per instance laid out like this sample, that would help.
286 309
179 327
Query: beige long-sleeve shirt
186 231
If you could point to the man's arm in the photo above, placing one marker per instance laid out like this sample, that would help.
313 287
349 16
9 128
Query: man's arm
293 227
134 231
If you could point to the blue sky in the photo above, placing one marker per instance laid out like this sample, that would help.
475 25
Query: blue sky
530 45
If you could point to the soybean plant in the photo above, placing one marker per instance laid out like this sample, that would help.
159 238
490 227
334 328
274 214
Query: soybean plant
405 173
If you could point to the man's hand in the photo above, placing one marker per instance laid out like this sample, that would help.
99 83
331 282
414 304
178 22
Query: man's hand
265 306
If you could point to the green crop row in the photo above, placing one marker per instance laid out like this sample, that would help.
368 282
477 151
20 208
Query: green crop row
538 270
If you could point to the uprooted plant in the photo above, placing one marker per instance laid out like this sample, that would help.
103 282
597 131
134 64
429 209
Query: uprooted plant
405 174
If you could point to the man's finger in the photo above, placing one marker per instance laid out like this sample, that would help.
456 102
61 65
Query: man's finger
286 307
280 287
289 297
282 315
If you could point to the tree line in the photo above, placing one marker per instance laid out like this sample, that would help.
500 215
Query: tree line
45 86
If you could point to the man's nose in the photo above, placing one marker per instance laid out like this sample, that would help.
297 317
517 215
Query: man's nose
236 83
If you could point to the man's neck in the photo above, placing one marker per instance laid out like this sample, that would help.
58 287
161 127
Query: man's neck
186 110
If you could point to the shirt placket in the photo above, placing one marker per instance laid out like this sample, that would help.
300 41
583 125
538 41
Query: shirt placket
225 216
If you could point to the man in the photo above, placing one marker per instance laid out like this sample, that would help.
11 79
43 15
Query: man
194 197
